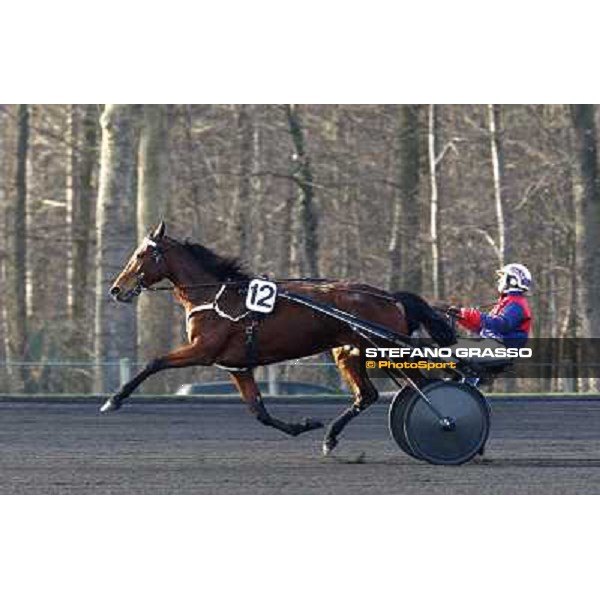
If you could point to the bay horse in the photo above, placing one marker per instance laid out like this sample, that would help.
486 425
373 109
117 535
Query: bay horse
221 332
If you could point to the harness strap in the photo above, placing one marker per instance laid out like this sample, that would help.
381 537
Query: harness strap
251 345
200 308
232 369
214 305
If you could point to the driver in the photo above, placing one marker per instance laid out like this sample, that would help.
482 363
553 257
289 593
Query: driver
509 321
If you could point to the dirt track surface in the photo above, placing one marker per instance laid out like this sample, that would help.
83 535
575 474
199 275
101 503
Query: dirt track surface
52 448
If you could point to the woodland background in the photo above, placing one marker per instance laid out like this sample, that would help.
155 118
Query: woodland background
427 198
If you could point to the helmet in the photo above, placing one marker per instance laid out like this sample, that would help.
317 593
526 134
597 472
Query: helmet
513 278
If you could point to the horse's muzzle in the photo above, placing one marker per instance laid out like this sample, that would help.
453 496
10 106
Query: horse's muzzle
119 295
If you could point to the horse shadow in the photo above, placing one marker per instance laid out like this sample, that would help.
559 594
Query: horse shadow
361 458
546 462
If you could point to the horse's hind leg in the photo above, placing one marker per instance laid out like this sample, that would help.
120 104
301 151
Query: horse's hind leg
365 393
244 380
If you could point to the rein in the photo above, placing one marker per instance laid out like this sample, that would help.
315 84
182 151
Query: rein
242 282
223 285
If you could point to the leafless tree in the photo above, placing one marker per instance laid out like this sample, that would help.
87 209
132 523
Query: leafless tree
115 325
154 311
342 191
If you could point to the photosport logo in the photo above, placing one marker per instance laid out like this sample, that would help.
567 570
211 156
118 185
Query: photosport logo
542 358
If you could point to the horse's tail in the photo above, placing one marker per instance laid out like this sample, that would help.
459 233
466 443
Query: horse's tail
418 312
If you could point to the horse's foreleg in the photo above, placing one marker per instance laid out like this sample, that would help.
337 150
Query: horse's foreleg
116 400
244 381
365 393
186 356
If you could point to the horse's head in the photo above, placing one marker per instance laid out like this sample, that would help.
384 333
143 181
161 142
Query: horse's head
146 267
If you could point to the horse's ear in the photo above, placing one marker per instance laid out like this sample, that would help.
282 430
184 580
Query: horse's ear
159 232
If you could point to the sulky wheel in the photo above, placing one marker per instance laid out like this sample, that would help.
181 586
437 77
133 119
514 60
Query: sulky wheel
396 416
451 427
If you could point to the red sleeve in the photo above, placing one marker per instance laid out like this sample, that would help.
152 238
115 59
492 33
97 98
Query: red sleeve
470 318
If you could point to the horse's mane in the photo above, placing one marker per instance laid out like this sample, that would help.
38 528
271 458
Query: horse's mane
223 268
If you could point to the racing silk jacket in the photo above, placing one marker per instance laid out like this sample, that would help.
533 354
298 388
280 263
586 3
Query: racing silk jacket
508 322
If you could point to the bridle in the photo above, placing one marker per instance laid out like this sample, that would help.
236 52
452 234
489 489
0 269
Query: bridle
157 252
157 255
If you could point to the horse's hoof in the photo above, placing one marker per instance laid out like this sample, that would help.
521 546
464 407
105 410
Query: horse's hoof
296 429
329 445
111 405
310 424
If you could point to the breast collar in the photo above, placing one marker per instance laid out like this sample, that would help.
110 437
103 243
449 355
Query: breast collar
214 305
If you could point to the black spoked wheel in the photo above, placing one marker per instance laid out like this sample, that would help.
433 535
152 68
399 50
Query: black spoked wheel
396 417
451 427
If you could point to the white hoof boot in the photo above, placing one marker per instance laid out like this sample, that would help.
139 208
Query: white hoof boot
110 406
329 445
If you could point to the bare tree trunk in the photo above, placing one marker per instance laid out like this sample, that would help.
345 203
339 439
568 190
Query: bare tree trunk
115 325
350 259
303 177
497 151
73 200
17 298
82 123
571 325
81 158
87 169
4 285
404 250
586 193
287 246
586 190
154 310
191 159
36 276
336 135
241 207
259 210
434 157
354 244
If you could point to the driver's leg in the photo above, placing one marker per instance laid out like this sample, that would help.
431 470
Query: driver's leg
477 343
